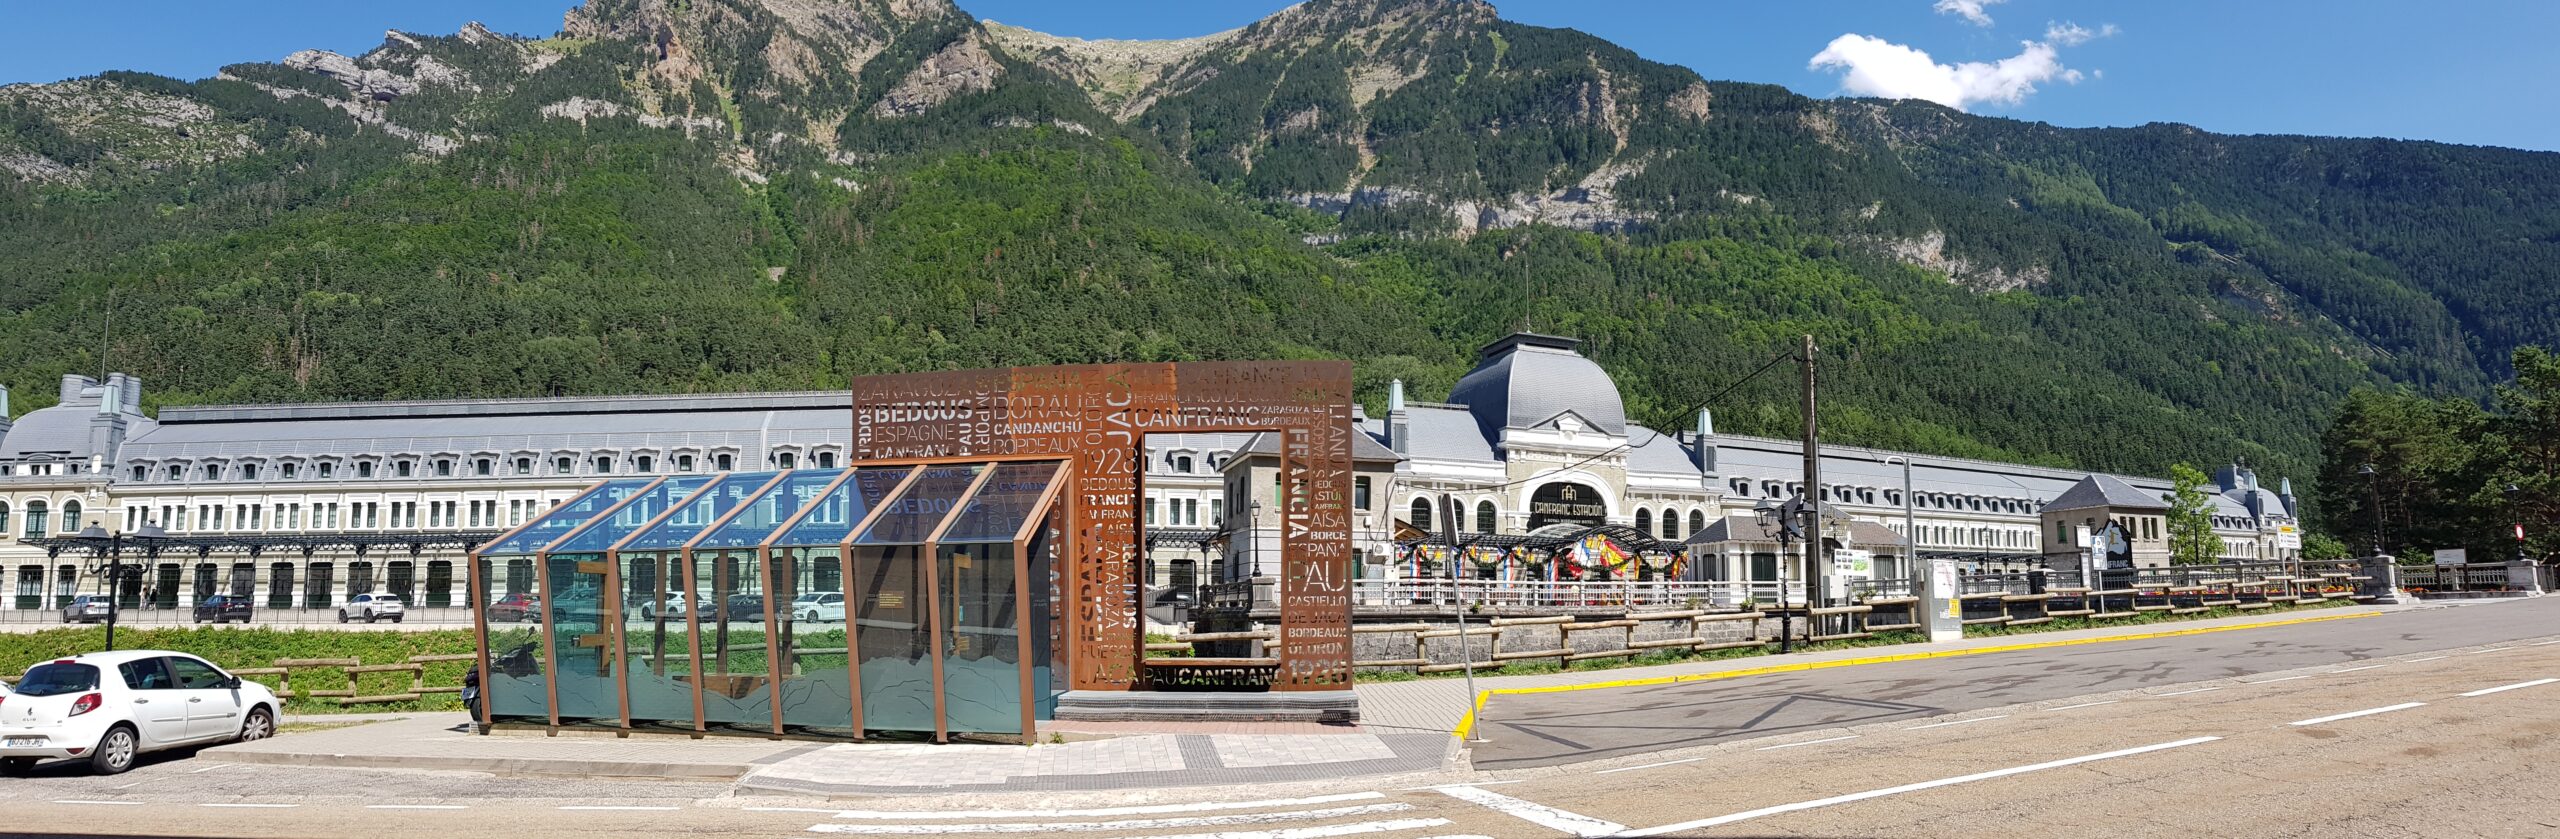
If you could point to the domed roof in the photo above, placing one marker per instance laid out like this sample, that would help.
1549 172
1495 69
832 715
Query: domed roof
1527 380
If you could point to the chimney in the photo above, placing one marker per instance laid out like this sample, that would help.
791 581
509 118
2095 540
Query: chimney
72 385
4 412
2284 492
106 428
1399 424
1706 450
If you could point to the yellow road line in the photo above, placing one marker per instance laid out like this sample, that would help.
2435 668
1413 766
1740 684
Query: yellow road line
1467 723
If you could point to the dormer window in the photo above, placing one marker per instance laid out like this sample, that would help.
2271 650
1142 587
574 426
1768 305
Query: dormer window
562 466
524 466
248 471
644 464
1182 464
725 462
402 469
826 460
291 470
604 465
365 469
140 471
684 463
177 473
444 468
785 460
328 470
483 467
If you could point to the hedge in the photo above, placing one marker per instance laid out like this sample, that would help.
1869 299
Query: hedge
247 647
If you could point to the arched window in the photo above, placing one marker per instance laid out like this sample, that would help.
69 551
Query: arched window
35 519
726 462
1421 514
483 467
1182 464
1484 517
1644 520
786 460
70 516
1697 522
826 460
4 517
1670 523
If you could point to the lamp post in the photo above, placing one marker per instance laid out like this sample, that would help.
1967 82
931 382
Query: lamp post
2373 489
98 539
2515 502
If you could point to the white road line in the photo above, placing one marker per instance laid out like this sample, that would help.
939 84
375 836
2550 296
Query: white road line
134 784
1123 824
2489 650
1923 785
101 803
2544 643
2185 692
1649 765
2086 704
2428 658
254 806
2354 669
613 807
1957 722
2280 679
213 767
1353 828
2364 713
1436 787
1142 810
1807 743
2487 691
1541 815
415 806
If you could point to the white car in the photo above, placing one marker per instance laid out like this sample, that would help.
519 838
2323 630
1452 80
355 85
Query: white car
373 607
819 607
108 708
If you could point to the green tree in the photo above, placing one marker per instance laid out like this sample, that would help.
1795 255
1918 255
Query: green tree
2191 539
2322 547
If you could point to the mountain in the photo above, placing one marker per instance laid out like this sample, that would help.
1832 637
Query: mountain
692 195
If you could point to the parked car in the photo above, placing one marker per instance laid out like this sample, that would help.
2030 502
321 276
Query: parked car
819 606
745 607
674 608
87 608
373 607
223 608
108 708
516 607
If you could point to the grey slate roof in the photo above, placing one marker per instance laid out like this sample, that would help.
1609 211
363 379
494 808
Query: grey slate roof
1657 452
1439 433
749 423
1524 380
1740 528
2102 490
60 433
1363 448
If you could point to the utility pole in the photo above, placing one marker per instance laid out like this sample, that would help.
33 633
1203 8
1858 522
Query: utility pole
1816 576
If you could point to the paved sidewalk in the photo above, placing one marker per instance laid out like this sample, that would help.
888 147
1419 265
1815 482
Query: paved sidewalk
1146 761
1437 705
441 741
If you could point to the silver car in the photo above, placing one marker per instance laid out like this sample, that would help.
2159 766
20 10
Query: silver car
87 608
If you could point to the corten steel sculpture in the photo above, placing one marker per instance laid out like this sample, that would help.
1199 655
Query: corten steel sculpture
1098 416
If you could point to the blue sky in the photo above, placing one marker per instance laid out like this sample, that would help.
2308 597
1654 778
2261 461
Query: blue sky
2465 72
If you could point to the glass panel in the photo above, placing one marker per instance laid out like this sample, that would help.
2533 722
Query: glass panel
699 511
1048 611
981 647
769 510
514 687
658 648
817 683
575 611
599 534
724 590
912 516
566 517
999 509
833 517
894 642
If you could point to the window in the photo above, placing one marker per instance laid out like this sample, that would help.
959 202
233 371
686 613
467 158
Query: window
1151 510
444 468
561 466
524 466
1486 520
1360 493
1182 464
644 464
786 460
140 471
328 470
1644 521
248 471
1697 522
726 462
826 460
1421 514
684 463
291 470
365 469
177 472
1670 523
401 469
604 465
1217 513
213 471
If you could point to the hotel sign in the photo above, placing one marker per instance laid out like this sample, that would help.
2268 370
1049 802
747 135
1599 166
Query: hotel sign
1566 503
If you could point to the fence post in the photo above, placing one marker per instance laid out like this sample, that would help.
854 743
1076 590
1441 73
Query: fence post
2385 571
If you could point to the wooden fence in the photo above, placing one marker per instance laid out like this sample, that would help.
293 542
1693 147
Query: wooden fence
354 671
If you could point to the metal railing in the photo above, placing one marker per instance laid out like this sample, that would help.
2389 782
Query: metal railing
148 615
2455 577
1378 594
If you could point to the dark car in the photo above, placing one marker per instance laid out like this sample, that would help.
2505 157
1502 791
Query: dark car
223 608
516 607
745 607
87 608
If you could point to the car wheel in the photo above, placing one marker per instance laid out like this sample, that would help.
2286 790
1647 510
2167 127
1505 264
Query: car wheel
397 620
648 615
342 616
115 751
259 726
370 617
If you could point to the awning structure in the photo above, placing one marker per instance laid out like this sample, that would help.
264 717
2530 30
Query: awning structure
915 598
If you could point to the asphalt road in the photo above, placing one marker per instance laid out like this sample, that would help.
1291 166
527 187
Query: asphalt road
1576 726
2396 733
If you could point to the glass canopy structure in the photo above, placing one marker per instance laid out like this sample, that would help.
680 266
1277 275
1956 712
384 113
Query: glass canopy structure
899 599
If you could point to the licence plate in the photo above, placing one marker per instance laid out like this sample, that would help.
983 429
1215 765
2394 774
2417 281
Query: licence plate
25 743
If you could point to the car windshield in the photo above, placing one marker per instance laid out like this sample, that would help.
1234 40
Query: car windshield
57 679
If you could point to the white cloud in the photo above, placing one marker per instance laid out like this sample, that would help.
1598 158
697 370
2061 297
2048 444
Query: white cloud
1876 67
2068 34
1970 10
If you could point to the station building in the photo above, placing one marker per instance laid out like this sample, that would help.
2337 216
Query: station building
305 505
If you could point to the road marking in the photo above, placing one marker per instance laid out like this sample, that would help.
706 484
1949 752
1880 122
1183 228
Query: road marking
613 807
2185 692
1143 810
1650 765
2354 669
2428 658
1541 815
2487 691
2086 704
1957 722
1467 722
134 784
2280 679
1390 826
2364 713
103 803
1923 785
213 767
415 806
1807 743
1124 824
254 806
2544 643
1437 787
2489 650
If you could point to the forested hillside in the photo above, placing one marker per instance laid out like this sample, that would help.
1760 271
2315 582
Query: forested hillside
735 194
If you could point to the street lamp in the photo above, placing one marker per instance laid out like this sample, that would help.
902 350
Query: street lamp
2515 502
2373 488
98 539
